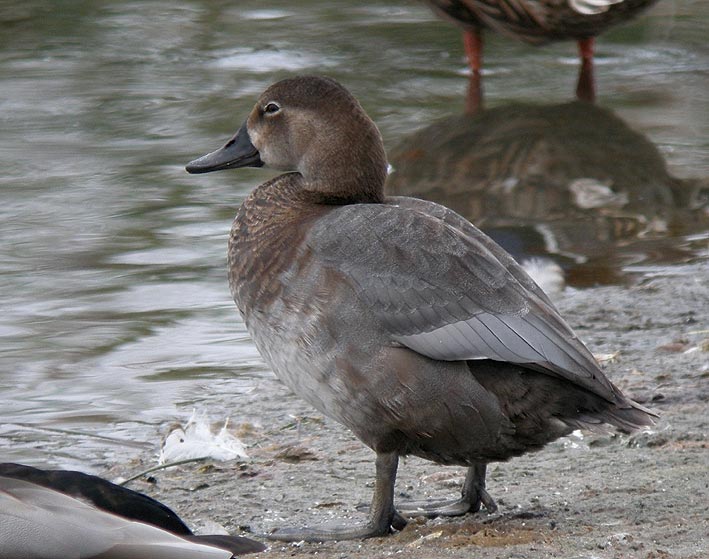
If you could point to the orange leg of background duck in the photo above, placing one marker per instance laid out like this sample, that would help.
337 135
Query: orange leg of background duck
473 43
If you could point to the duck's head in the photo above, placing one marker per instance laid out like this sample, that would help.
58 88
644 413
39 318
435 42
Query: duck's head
313 126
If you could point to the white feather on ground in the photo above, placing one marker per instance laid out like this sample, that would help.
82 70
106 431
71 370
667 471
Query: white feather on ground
196 440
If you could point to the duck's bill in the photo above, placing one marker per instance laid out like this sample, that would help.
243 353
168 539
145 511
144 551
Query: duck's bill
237 152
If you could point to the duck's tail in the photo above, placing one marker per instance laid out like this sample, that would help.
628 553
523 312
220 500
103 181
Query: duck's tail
626 416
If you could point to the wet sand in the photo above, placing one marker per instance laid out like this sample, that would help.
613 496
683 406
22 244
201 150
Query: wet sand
640 496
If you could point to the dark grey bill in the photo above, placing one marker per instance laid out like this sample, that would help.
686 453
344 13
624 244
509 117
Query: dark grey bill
237 152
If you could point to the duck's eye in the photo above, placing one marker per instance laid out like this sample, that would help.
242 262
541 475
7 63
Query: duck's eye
271 108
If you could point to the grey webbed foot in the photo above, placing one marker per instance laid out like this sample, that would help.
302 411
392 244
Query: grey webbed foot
382 516
474 495
324 533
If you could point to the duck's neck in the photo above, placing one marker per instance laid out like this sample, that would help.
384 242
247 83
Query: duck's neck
341 190
347 174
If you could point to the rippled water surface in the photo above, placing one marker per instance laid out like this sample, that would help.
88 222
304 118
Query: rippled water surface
116 316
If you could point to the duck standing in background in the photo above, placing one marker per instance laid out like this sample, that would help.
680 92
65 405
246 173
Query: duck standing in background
395 316
537 22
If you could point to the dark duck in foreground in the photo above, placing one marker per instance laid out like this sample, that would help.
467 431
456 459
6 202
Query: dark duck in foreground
537 22
392 315
57 514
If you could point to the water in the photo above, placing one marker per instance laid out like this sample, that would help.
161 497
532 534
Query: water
116 317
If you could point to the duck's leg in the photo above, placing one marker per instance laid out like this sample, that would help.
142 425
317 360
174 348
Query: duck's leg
473 44
382 515
473 496
586 86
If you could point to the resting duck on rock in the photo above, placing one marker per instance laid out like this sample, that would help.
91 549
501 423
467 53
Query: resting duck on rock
538 22
395 316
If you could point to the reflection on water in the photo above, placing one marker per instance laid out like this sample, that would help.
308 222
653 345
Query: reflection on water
570 180
116 316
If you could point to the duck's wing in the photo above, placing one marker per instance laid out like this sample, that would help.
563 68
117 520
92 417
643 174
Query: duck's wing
466 228
102 494
121 501
444 289
36 522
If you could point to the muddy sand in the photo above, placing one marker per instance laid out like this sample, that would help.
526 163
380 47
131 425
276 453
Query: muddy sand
591 496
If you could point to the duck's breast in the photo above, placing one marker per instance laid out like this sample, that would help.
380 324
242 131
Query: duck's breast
304 318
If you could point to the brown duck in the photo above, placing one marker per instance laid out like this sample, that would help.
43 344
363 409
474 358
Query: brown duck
395 316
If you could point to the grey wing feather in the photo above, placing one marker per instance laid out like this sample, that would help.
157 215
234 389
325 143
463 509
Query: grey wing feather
457 221
444 289
36 521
